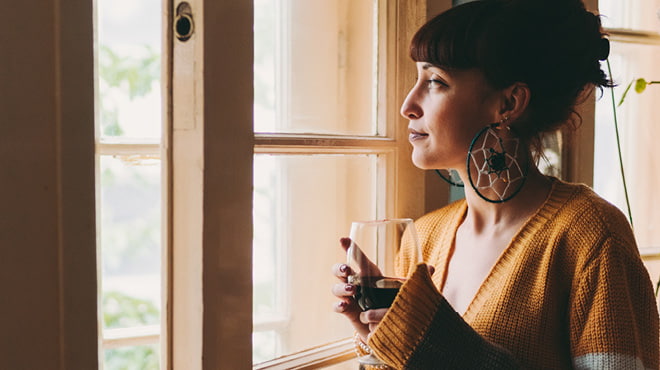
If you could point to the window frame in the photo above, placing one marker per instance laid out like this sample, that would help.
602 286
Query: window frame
207 145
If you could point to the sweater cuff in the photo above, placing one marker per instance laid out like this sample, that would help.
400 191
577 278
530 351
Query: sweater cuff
399 333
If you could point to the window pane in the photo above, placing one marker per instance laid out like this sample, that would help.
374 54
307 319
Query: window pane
302 206
638 129
132 358
129 38
315 66
641 15
264 344
130 241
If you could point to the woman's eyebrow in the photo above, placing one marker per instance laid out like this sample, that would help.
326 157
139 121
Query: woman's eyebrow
427 66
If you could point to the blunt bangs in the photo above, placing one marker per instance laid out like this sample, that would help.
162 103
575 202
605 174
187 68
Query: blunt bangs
457 38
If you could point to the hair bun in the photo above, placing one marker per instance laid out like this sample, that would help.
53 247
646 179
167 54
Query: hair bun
603 49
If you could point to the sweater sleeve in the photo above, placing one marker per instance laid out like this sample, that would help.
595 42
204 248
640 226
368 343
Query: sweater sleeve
422 331
613 315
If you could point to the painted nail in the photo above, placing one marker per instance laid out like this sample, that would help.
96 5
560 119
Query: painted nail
349 287
343 268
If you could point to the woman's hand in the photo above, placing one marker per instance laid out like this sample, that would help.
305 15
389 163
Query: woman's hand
363 322
372 318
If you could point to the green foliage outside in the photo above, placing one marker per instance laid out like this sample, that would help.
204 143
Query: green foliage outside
132 358
129 76
120 310
132 74
640 86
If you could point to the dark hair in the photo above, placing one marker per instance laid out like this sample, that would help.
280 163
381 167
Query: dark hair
553 46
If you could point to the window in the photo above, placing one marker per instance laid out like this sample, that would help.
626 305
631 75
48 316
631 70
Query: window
634 29
299 101
129 178
329 148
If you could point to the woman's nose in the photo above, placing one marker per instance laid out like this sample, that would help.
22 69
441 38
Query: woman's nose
410 108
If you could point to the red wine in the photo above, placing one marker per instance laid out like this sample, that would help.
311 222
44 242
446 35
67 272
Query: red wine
376 292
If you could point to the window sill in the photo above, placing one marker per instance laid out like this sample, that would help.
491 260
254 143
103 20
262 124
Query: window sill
325 355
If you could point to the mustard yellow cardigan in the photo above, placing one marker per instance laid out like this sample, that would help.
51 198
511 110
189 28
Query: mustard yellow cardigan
570 291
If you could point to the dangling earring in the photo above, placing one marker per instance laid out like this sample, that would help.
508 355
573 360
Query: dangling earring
493 160
451 177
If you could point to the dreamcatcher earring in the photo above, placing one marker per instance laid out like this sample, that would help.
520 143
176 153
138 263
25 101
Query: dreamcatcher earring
493 160
451 177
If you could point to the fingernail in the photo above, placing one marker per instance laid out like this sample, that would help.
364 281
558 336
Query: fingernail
349 287
343 268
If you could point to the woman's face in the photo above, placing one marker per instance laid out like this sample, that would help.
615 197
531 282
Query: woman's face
446 109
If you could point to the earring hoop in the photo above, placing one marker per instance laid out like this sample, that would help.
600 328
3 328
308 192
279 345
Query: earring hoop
496 166
450 178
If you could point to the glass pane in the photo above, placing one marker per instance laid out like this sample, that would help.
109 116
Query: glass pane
132 358
129 49
641 15
315 66
264 344
302 206
130 241
638 129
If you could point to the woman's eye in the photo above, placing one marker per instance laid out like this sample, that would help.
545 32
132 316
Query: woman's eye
433 83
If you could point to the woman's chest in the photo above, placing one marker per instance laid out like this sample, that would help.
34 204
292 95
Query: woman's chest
468 266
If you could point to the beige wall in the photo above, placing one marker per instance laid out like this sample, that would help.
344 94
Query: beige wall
47 240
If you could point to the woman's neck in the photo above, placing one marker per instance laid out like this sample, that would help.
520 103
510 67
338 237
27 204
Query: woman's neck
484 217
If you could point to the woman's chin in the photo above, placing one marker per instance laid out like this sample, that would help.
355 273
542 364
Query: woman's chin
422 163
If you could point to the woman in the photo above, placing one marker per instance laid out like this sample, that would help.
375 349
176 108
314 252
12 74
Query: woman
530 271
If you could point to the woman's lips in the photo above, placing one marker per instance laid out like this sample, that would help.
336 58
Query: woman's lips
416 135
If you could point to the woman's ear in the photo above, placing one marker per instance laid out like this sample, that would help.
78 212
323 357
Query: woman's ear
515 101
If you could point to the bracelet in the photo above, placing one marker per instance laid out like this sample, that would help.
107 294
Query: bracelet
361 348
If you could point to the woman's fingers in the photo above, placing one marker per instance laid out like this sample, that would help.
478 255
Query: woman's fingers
341 270
372 317
348 307
342 290
345 243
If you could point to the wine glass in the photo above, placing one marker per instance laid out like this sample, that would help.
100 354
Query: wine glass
375 250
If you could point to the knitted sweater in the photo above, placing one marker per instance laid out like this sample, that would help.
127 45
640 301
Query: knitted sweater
569 291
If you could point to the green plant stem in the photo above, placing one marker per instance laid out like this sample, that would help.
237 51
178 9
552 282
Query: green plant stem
618 145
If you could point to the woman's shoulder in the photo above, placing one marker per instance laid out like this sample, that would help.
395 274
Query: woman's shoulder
587 222
581 205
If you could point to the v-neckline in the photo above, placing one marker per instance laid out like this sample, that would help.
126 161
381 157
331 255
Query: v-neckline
508 255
